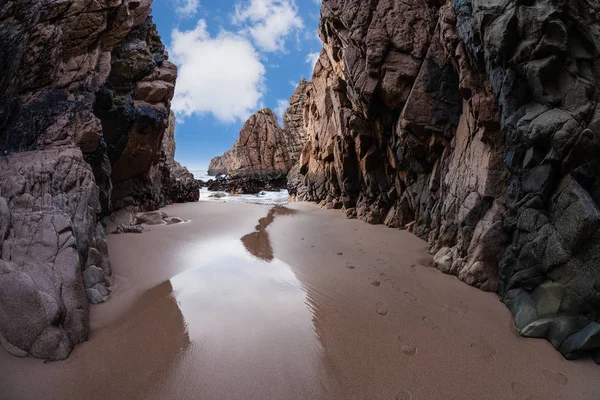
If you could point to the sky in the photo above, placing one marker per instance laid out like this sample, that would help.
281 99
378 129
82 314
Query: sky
234 57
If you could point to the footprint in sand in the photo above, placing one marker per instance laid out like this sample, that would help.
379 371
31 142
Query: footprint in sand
451 309
381 308
411 296
431 323
380 261
385 278
406 345
521 390
555 377
404 395
350 266
375 283
485 350
340 254
463 309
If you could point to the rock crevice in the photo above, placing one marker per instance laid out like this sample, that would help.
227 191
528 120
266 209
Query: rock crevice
473 125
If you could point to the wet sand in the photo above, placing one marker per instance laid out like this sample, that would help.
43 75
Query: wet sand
298 303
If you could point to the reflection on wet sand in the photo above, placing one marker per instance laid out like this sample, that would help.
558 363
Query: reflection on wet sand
125 356
334 310
251 332
258 243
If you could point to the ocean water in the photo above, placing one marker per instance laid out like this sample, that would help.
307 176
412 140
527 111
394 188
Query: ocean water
278 198
201 174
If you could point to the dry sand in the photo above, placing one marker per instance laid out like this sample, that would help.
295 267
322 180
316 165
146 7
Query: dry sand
308 305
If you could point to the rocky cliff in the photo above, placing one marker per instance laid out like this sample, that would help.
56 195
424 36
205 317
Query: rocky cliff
217 166
86 89
263 147
473 124
178 184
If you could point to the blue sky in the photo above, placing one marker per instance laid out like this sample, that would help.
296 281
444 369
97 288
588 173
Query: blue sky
234 57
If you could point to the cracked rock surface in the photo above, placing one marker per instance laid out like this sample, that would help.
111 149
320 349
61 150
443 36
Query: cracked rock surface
263 148
86 88
474 125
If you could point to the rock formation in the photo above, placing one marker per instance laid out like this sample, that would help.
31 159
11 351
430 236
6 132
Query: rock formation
217 166
178 184
474 125
293 122
263 147
86 89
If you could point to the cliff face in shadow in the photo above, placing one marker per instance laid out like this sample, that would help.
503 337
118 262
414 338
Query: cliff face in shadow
86 89
474 126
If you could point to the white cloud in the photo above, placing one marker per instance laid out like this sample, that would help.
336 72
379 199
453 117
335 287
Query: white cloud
221 75
312 58
268 22
282 106
186 8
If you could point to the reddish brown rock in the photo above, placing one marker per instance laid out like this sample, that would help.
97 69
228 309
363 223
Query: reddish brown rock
473 125
217 166
263 147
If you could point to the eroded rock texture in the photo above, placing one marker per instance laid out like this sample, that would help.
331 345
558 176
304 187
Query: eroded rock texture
178 183
85 100
217 166
263 148
473 125
542 59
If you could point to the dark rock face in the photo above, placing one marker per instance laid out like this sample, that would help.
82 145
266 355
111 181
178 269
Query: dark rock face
178 183
473 125
250 184
133 106
86 90
541 59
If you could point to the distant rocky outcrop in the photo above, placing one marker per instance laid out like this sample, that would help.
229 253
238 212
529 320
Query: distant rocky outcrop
475 125
263 148
86 89
217 166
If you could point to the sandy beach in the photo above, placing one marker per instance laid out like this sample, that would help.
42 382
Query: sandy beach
250 302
